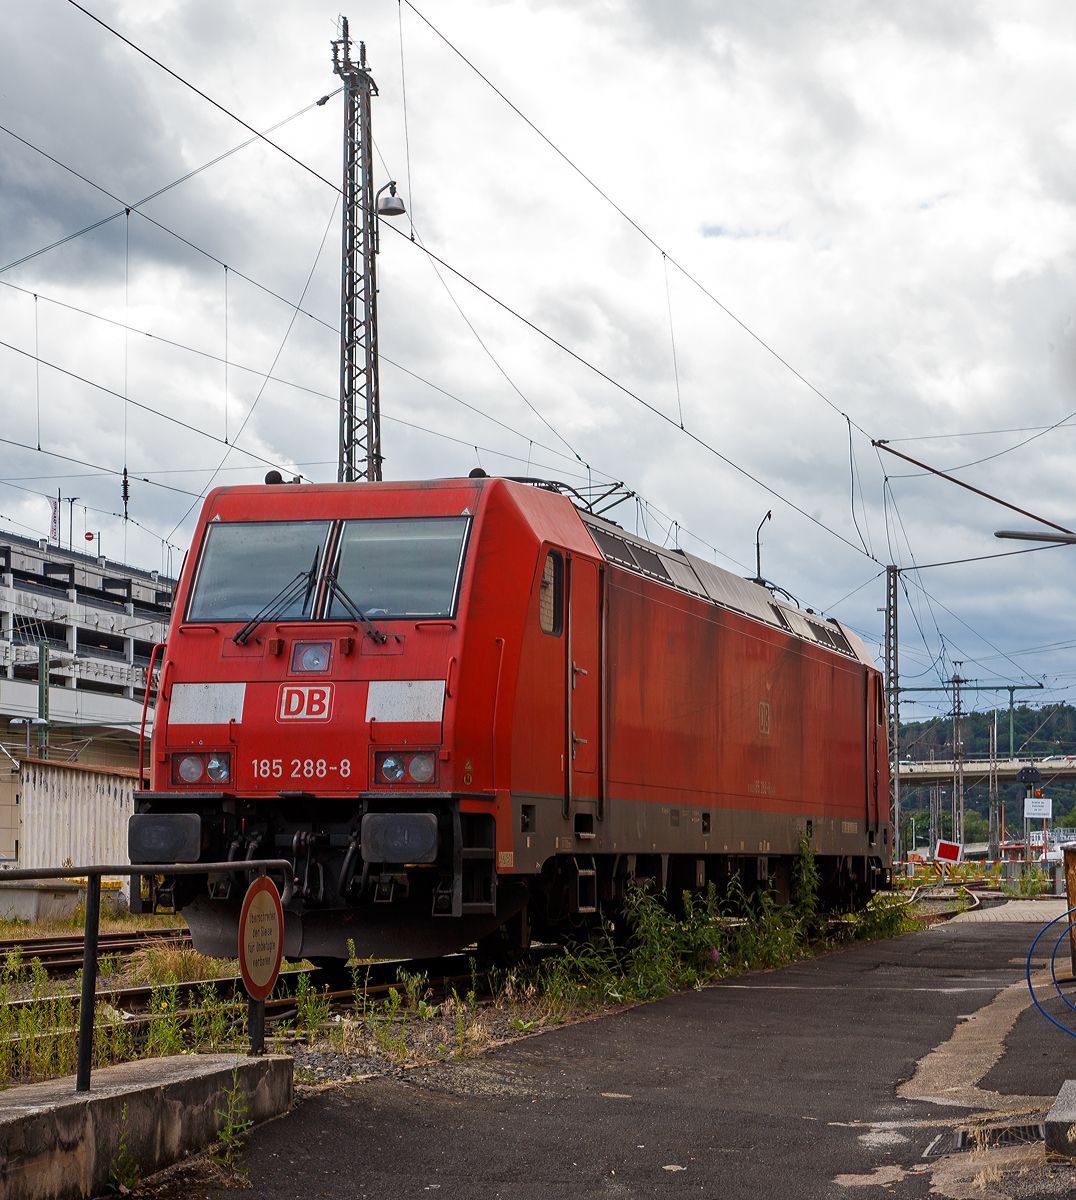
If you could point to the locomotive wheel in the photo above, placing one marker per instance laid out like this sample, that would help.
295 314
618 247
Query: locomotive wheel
506 946
324 963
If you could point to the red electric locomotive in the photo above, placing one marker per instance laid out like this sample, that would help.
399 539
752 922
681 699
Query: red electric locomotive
465 709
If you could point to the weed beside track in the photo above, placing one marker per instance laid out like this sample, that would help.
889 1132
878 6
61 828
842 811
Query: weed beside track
389 1017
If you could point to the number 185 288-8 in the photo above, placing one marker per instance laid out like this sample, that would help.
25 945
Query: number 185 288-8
300 768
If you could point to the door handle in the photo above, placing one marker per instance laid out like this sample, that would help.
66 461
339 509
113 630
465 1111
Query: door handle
577 671
577 741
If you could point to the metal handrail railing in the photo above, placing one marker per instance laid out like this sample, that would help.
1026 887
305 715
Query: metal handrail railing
93 920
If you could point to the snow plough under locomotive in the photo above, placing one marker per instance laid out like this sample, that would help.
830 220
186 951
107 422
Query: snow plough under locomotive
468 708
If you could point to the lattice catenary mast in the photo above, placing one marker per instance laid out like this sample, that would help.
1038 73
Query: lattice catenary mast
892 694
360 406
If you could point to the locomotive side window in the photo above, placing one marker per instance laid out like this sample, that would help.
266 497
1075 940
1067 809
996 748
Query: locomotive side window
880 693
245 564
551 595
401 568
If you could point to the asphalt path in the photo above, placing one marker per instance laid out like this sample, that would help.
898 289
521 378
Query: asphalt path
775 1084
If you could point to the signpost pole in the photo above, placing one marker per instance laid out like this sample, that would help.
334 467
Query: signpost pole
86 1011
256 1018
256 1025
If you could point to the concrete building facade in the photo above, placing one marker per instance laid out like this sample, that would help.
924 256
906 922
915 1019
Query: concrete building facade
100 620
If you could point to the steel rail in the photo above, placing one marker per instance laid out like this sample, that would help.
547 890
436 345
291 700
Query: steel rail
135 871
62 942
59 954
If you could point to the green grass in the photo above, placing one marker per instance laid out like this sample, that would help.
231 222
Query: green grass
114 919
647 952
39 1037
715 937
1031 884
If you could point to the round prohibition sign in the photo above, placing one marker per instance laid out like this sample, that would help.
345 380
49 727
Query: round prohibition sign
261 938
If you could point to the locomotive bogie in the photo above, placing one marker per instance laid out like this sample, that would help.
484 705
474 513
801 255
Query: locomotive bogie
464 705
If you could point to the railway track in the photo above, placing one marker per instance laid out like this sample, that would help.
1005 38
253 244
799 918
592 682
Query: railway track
442 974
63 952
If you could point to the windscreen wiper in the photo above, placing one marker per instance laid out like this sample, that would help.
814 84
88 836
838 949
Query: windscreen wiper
355 611
281 600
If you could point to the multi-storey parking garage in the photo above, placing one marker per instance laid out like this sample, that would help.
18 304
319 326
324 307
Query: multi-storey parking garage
96 621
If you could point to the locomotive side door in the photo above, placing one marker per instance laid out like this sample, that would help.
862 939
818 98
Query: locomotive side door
584 675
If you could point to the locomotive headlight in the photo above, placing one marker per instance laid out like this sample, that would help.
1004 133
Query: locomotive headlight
314 658
190 768
392 767
420 768
311 656
218 768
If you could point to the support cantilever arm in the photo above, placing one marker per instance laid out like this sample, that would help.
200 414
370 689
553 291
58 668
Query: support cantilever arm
1017 535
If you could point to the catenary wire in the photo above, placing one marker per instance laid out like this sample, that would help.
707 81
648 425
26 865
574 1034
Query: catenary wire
382 357
1000 453
136 206
634 224
845 597
934 437
415 236
276 358
186 83
530 324
696 438
102 512
459 274
478 337
699 440
137 404
164 229
407 139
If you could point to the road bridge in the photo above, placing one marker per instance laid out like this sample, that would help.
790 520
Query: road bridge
977 771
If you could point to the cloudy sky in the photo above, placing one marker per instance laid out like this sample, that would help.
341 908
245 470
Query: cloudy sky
867 216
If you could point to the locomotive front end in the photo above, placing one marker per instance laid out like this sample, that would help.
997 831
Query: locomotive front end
307 711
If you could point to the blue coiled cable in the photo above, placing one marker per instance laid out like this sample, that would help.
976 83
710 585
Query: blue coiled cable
1053 972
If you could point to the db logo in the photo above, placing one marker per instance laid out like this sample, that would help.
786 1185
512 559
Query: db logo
305 703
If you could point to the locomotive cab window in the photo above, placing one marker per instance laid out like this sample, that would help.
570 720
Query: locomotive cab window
407 567
247 564
551 595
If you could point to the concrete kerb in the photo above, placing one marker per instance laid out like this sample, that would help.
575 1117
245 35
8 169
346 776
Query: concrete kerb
58 1144
1061 1121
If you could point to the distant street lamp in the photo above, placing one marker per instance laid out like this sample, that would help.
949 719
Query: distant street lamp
28 722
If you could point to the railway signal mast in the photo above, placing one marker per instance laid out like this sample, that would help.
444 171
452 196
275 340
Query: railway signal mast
360 404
